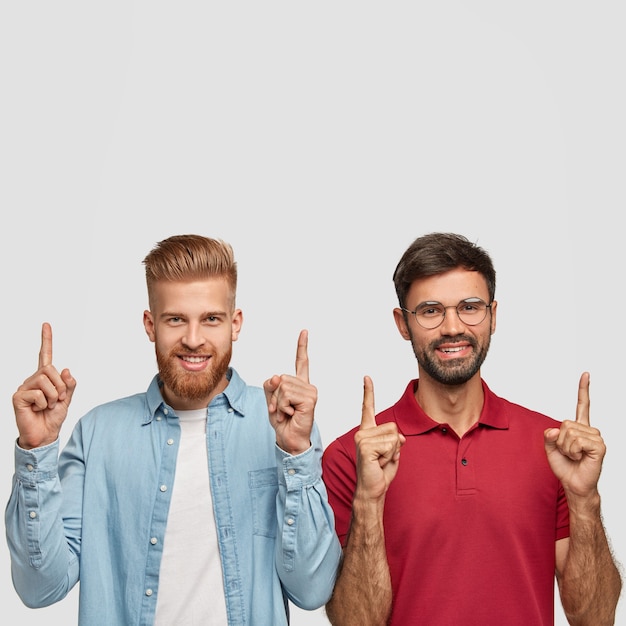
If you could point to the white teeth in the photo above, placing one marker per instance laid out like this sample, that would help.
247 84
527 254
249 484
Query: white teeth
452 349
193 359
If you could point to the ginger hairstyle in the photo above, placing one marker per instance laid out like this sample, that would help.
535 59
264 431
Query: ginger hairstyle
191 257
437 253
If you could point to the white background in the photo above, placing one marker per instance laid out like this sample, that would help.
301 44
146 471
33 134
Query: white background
319 139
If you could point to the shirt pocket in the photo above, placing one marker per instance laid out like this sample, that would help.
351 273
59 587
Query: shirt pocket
263 485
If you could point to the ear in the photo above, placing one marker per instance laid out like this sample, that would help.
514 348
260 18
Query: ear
236 324
494 306
398 316
148 324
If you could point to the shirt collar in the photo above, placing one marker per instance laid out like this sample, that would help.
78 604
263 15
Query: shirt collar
412 420
234 394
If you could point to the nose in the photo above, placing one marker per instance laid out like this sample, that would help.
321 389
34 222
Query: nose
452 324
193 338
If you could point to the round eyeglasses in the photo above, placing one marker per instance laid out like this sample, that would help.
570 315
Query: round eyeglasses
429 315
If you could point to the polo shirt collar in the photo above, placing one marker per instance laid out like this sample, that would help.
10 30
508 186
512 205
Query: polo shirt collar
412 420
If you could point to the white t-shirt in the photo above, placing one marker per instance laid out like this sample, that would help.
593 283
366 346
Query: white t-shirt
191 586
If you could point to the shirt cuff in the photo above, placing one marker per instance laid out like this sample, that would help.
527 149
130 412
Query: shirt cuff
37 464
301 470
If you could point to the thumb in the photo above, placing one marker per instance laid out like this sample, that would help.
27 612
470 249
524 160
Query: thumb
70 385
549 438
269 387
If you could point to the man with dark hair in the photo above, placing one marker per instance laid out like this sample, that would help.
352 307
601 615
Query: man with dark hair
455 506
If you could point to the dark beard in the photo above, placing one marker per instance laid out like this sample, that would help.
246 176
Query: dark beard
192 385
454 371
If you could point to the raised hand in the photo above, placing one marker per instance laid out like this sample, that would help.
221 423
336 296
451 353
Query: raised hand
291 403
576 449
377 449
42 401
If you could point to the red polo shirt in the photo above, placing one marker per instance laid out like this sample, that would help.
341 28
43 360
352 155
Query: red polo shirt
470 523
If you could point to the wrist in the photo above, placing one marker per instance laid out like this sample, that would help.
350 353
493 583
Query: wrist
26 444
584 509
366 506
293 447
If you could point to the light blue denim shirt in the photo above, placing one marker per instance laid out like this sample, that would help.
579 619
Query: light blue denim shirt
99 512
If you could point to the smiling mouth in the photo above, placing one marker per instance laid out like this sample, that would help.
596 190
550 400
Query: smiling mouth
194 359
452 350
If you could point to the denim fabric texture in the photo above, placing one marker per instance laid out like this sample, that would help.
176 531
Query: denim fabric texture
98 512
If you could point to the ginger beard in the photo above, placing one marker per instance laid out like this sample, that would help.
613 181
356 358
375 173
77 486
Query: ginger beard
192 385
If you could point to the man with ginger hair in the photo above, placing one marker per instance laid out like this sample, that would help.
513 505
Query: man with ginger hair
199 501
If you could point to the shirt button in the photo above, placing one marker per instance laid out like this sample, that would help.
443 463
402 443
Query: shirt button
291 471
170 442
29 467
230 409
148 592
32 514
153 540
463 461
163 487
158 418
444 430
290 521
166 411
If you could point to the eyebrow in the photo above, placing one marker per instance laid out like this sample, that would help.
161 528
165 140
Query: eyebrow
204 314
432 302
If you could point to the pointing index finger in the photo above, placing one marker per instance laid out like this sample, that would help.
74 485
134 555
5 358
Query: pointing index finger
45 352
302 356
368 414
582 406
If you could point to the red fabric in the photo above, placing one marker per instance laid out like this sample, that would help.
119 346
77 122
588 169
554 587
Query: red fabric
470 524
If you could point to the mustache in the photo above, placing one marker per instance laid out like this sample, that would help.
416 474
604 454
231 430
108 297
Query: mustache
453 339
182 351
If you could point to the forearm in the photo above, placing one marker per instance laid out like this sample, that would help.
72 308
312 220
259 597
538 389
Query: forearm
307 547
590 583
43 567
363 594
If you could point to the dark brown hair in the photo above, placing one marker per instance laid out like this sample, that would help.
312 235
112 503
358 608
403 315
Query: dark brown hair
437 253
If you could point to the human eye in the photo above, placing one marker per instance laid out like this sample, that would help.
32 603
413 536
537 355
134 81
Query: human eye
213 319
430 310
471 307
